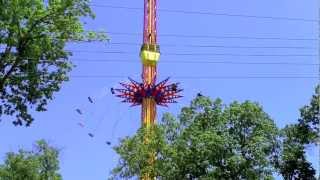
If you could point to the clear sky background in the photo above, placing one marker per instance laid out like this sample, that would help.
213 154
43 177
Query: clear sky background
84 158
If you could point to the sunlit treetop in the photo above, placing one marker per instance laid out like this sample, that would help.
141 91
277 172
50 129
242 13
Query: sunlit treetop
33 59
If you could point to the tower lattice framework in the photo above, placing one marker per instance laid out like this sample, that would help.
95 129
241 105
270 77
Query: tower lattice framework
148 93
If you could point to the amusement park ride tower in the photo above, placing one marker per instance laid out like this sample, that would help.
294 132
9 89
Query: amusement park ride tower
149 94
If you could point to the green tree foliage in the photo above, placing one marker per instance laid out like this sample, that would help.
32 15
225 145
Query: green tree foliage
309 120
208 140
33 61
293 163
40 164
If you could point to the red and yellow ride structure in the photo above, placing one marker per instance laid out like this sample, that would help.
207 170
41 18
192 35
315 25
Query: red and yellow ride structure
148 93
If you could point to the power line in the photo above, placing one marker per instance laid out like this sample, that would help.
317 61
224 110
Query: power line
230 54
178 61
209 13
212 46
270 76
318 84
202 36
199 62
201 54
213 36
199 77
217 46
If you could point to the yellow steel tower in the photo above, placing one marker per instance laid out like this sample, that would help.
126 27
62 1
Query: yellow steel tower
148 94
150 54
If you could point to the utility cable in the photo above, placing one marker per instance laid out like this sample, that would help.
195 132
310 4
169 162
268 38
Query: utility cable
200 54
211 46
212 36
174 61
208 13
196 62
318 86
217 46
201 77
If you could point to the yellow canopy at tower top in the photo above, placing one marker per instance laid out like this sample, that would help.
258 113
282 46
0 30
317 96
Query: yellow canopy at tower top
150 54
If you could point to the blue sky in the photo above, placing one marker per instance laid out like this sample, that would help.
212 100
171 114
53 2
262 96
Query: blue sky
84 158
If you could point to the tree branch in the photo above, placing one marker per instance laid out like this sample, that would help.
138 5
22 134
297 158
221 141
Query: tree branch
6 52
21 48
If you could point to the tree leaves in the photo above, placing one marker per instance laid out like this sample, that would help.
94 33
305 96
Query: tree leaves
33 61
209 140
293 162
39 164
